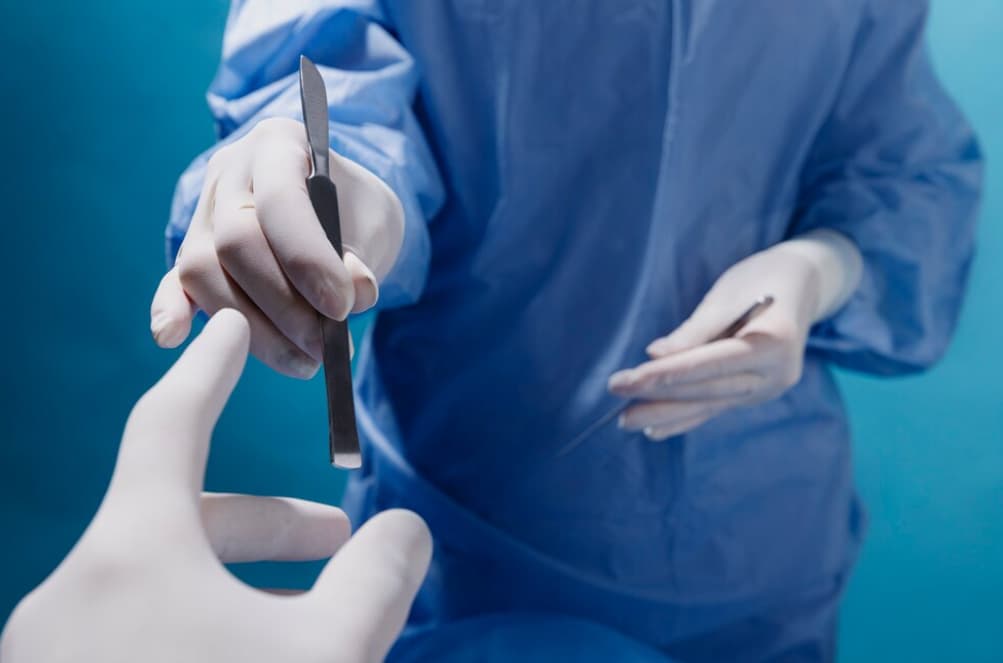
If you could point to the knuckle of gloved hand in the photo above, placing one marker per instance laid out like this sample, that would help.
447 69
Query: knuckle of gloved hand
271 197
233 237
273 127
195 266
219 158
275 135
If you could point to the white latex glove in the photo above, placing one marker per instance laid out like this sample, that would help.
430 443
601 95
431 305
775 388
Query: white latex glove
688 380
255 245
145 581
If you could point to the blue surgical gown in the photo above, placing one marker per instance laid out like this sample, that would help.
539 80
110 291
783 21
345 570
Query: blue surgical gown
575 175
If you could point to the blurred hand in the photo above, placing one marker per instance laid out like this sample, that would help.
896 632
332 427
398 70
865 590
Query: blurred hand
256 245
689 381
146 582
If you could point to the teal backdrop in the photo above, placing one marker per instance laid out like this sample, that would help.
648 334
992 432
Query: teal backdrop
103 107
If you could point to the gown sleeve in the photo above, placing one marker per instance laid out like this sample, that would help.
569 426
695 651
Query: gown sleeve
898 170
371 84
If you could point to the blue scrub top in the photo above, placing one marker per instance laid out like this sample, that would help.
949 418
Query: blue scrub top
575 176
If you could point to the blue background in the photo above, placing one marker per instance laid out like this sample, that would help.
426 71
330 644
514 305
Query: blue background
103 107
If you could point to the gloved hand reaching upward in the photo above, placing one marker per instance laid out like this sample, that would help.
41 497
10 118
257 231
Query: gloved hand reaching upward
256 245
146 583
688 380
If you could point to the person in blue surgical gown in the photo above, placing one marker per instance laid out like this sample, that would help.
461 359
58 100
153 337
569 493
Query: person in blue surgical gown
555 207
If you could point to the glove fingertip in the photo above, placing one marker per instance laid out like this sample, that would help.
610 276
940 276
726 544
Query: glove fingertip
169 333
663 347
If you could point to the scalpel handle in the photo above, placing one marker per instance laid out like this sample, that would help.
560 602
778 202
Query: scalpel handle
344 436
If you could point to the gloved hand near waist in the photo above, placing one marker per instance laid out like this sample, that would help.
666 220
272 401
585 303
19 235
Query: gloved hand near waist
255 245
689 381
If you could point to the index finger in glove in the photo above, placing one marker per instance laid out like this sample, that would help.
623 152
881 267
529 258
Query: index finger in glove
705 362
166 439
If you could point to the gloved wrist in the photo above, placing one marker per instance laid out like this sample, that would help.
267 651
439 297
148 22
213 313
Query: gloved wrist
836 262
